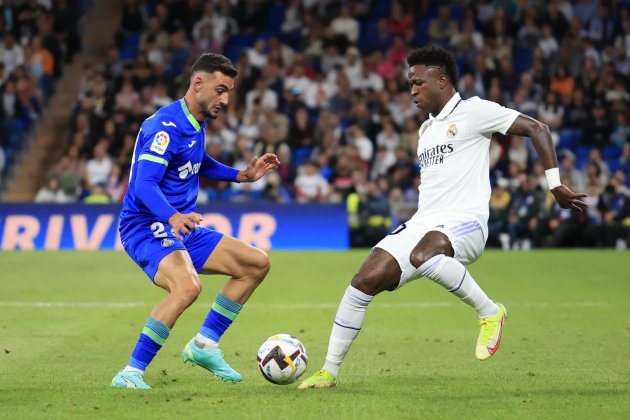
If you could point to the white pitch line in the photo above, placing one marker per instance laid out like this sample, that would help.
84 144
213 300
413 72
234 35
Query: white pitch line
417 305
73 304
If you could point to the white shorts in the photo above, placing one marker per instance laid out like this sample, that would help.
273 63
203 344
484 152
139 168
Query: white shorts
466 235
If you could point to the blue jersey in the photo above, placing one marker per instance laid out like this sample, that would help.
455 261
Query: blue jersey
168 158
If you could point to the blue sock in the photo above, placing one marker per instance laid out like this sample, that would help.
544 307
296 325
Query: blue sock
219 318
152 338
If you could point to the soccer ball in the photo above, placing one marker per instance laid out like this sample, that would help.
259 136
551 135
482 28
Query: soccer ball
282 359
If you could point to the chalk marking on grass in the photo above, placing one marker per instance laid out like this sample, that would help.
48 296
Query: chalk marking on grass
281 306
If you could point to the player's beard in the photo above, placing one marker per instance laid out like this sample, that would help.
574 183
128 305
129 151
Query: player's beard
206 111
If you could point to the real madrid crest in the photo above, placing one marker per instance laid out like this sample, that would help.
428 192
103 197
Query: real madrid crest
451 131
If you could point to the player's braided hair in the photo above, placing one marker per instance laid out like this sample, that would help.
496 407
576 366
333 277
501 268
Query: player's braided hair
210 62
439 57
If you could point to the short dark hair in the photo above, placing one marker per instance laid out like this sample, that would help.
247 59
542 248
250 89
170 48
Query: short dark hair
439 57
211 62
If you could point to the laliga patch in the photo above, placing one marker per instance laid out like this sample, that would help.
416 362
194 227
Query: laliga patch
160 142
451 131
167 242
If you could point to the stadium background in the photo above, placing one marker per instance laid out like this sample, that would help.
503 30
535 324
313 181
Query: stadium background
323 84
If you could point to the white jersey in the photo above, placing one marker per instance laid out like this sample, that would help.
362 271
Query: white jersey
453 153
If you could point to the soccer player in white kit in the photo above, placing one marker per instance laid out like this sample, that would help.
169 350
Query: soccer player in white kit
449 230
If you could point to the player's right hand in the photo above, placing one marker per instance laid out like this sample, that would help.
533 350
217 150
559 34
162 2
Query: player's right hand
185 223
568 199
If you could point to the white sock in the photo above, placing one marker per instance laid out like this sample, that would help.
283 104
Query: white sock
205 343
348 322
133 369
453 276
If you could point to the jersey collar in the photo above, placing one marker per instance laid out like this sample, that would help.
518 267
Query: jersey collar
190 117
448 108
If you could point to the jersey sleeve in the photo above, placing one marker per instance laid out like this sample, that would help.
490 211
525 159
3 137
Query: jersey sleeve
215 170
157 151
490 117
148 177
159 146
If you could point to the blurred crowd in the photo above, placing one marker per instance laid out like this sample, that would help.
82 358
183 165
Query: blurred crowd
36 38
322 83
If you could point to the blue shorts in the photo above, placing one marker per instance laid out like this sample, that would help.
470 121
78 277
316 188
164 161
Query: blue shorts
147 243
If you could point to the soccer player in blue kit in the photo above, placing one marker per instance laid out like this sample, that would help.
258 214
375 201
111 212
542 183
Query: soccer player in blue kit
160 230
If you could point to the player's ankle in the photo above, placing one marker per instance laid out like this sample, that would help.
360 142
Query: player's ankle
204 343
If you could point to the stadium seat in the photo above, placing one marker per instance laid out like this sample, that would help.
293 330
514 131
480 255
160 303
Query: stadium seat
569 138
275 18
522 60
380 9
301 155
611 152
237 43
365 27
129 51
581 152
580 163
613 165
457 12
422 31
432 12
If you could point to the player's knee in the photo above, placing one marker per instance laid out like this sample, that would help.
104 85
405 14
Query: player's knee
188 293
439 244
371 282
420 256
260 266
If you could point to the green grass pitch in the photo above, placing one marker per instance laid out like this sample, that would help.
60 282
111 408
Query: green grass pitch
69 320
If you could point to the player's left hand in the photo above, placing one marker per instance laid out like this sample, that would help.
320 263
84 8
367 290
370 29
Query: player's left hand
258 167
567 199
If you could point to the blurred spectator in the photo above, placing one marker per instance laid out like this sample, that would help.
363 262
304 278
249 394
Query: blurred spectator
577 113
11 53
256 54
12 107
525 207
518 153
442 28
269 141
595 157
51 193
614 206
346 25
399 20
570 172
310 185
598 126
262 94
247 191
301 137
116 184
98 169
127 98
547 42
551 113
369 213
621 132
497 221
69 171
562 83
66 28
97 194
364 145
381 38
